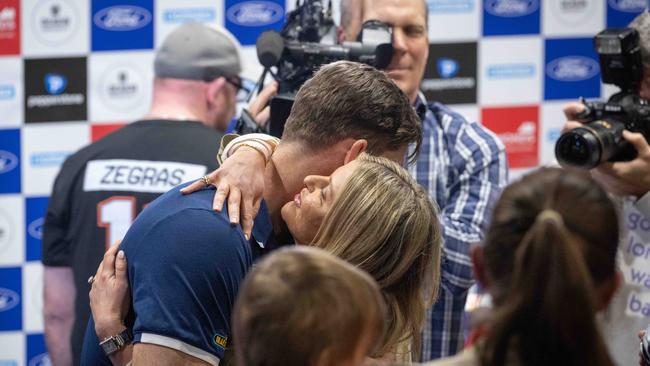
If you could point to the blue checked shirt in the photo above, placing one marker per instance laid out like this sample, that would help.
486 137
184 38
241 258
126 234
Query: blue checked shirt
463 167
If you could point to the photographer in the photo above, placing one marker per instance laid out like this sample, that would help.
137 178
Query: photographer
630 181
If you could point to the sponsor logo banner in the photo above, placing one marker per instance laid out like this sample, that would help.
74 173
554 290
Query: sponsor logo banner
11 238
169 14
9 27
247 19
10 161
10 299
517 127
43 155
54 27
573 17
11 92
506 17
450 75
36 351
571 69
138 175
35 209
55 21
621 12
446 15
121 86
55 90
507 77
121 25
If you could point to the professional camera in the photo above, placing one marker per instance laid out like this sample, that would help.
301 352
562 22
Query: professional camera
601 138
307 41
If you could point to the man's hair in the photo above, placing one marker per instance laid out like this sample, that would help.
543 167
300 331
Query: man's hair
351 100
384 223
302 306
642 25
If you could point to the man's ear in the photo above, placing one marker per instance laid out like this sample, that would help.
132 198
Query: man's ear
214 87
476 253
357 147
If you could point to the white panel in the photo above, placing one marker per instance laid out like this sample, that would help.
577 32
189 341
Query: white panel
12 230
44 148
12 349
55 27
510 71
453 20
573 18
120 86
11 92
552 121
33 297
171 13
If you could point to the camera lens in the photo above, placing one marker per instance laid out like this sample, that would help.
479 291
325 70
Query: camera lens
578 148
595 143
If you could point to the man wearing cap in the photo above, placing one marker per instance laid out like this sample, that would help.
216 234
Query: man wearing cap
101 188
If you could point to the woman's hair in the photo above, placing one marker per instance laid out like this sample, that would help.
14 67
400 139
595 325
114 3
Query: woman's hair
551 243
384 223
302 306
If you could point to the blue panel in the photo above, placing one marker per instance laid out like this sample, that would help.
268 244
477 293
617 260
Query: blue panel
122 24
36 351
9 161
507 17
571 69
34 216
621 12
247 19
11 315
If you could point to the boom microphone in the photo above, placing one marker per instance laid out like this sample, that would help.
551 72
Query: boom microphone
270 46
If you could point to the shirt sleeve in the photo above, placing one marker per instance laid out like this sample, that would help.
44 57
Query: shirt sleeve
184 275
480 170
56 243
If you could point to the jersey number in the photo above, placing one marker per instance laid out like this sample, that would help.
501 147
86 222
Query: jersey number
116 214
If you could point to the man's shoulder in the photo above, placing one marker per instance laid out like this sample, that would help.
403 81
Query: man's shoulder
454 125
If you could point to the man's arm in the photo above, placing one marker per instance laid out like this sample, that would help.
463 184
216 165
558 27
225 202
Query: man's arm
151 354
58 312
480 162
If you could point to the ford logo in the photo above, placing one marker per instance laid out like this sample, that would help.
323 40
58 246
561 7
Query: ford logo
8 299
511 8
629 6
447 68
35 228
8 161
572 68
255 13
40 360
55 83
122 18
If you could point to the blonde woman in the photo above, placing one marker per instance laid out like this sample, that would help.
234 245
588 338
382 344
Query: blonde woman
372 214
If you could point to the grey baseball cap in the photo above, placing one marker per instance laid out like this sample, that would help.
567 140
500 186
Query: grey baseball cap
196 51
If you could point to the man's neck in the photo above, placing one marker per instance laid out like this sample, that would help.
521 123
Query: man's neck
285 175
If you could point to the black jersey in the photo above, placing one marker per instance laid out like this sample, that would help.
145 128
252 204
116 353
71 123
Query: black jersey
101 188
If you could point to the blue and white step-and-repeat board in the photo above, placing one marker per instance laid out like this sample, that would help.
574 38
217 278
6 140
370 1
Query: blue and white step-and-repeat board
74 70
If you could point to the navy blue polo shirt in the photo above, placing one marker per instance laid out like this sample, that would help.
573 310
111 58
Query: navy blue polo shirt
186 263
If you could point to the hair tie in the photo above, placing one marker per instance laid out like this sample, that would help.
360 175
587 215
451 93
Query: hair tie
550 215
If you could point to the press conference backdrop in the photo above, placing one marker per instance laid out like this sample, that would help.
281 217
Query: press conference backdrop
73 70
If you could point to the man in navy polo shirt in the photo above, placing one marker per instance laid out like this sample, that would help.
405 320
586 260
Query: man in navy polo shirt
186 261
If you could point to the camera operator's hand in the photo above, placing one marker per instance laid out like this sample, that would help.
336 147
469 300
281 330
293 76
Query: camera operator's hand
259 108
624 178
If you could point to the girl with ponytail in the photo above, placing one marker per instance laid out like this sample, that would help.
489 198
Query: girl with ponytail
548 262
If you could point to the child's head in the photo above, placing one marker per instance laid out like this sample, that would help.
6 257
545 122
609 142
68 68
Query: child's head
303 306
